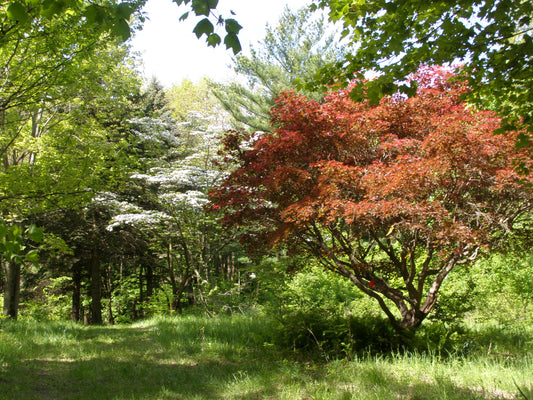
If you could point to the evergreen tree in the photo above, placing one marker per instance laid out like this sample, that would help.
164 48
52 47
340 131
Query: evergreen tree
153 101
297 48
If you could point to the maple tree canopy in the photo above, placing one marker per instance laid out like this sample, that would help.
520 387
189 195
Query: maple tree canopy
391 196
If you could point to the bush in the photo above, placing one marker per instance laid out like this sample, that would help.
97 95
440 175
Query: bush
505 288
51 300
324 314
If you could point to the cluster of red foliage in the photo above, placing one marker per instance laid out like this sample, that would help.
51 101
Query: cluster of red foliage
391 196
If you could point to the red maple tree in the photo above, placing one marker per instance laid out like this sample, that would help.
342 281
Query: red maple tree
392 196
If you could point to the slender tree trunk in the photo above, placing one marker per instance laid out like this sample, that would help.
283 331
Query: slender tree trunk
172 277
96 289
110 293
121 283
76 293
141 289
12 289
150 284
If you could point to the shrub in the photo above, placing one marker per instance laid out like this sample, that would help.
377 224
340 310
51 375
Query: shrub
323 314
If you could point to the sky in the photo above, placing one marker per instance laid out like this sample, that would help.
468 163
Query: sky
171 52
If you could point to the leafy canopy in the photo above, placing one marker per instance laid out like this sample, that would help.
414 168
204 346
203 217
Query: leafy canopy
115 17
391 196
492 39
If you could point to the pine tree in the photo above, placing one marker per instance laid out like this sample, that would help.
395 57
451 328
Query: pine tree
293 50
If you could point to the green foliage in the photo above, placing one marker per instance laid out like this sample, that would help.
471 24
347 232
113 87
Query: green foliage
491 303
109 17
505 288
235 296
457 298
124 299
153 100
160 302
114 18
206 8
188 98
321 313
51 301
59 139
13 242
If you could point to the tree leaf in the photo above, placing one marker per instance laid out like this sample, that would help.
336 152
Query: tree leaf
201 7
93 15
184 16
32 256
121 29
51 8
232 42
232 26
123 10
213 40
35 234
523 141
17 12
204 27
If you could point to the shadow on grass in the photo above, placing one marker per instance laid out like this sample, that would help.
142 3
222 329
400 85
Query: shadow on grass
103 378
160 361
110 379
197 359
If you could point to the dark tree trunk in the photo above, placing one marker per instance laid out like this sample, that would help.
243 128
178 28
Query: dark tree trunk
141 284
150 281
109 290
12 289
96 289
76 293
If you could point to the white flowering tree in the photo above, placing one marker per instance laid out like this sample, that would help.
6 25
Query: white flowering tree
166 197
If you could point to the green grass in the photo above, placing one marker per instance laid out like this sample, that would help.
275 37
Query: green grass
193 357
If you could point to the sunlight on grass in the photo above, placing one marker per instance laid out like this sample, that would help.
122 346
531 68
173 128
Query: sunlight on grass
194 357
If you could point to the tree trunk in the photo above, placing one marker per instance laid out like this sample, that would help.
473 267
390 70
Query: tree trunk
172 277
109 290
150 281
141 289
411 320
12 289
76 293
96 289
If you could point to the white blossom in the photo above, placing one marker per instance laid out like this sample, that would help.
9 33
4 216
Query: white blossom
190 199
143 218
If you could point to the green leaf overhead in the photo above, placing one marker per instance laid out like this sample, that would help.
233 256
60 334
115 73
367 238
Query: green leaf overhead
232 26
124 10
17 12
203 7
231 40
213 40
121 29
204 27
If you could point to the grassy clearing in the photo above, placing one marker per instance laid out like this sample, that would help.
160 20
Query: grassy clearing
232 358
